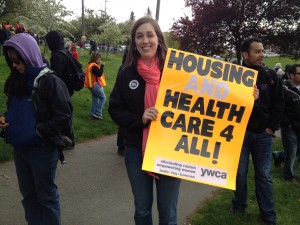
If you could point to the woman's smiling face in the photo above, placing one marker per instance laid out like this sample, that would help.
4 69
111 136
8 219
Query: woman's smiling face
146 41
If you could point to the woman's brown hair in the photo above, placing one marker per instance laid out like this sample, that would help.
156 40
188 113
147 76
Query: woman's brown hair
94 57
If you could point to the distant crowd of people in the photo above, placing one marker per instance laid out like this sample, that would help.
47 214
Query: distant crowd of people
7 30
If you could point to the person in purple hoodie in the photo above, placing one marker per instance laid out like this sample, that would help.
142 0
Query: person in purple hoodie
38 109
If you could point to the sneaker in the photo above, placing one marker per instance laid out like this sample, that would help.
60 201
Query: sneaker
96 117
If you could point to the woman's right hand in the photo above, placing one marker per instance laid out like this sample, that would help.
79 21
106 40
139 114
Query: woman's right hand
3 124
149 115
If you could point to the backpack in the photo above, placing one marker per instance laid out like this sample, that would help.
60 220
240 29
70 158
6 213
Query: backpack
75 74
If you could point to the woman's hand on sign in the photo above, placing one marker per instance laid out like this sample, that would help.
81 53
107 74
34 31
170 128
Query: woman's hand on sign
149 115
256 92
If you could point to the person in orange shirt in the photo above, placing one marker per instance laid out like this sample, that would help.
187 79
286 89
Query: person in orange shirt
74 51
95 81
8 28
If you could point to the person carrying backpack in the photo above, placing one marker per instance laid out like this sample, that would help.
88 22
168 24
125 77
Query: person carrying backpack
58 60
61 62
38 110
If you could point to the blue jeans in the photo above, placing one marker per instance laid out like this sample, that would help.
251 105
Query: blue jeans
259 145
290 142
167 189
98 100
36 168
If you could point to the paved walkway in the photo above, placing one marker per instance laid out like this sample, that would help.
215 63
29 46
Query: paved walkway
94 189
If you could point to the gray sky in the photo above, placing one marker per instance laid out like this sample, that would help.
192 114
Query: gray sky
120 9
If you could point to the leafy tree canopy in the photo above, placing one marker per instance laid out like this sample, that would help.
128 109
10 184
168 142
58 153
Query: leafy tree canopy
9 8
111 35
219 26
149 13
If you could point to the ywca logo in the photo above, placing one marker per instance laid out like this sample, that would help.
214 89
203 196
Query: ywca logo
133 84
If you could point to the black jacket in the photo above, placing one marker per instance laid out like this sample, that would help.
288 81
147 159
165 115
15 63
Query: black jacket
3 36
53 109
291 116
51 106
58 60
268 108
126 105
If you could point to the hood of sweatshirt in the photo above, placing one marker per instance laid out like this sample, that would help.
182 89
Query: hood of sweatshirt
55 40
28 49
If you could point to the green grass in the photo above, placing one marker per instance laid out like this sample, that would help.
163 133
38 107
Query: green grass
5 149
287 203
270 62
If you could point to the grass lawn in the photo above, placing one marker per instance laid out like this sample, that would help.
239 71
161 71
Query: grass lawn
270 62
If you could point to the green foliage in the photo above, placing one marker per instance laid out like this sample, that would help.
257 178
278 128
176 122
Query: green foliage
132 16
149 12
41 16
9 9
218 26
170 42
94 20
126 29
111 35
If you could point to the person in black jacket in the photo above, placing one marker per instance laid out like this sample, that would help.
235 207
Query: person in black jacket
290 125
121 130
58 62
131 106
93 46
38 110
264 121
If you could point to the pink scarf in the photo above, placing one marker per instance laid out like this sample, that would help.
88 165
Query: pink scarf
152 77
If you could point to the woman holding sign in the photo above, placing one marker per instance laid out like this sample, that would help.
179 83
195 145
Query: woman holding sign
131 106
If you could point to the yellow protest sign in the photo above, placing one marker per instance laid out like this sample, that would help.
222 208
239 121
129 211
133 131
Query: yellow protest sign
204 106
